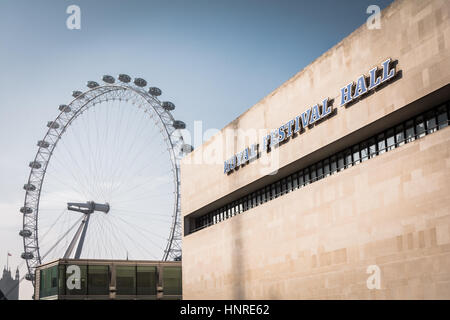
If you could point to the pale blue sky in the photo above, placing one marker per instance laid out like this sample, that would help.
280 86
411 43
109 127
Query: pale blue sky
213 59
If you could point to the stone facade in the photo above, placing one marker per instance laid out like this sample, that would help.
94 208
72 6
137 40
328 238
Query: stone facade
317 242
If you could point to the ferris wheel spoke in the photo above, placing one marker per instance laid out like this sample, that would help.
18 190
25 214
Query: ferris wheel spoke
98 153
118 188
108 237
60 239
108 157
144 167
85 177
93 151
53 224
115 232
145 197
70 170
157 182
103 150
126 239
66 184
134 140
151 213
137 228
152 219
137 242
82 146
122 140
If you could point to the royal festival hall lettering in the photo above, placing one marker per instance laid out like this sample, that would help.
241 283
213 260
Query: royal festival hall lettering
350 93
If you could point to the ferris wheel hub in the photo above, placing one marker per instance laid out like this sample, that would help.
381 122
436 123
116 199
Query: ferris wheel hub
88 207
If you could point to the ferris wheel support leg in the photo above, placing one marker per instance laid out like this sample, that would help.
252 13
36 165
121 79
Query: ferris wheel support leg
81 228
83 236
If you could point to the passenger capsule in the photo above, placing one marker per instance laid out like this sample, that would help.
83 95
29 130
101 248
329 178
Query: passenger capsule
64 108
178 124
124 78
140 82
29 277
76 94
25 233
154 91
26 210
167 105
186 148
43 144
53 125
29 187
35 165
92 84
108 79
27 255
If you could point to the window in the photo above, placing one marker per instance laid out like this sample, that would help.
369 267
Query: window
48 282
172 280
61 279
273 191
381 143
399 135
126 280
333 164
312 171
258 199
254 199
348 158
268 193
278 191
340 161
431 122
289 184
295 181
326 167
306 176
356 156
364 151
372 148
146 280
420 126
410 135
301 179
98 280
390 139
442 117
319 170
283 186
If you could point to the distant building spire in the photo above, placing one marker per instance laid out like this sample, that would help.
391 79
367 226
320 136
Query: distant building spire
9 285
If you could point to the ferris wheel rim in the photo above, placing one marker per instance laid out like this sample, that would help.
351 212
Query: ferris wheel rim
164 118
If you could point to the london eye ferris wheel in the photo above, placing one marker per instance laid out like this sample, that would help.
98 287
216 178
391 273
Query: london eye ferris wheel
104 182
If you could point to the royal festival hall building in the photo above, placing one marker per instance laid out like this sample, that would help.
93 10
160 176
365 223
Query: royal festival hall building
335 185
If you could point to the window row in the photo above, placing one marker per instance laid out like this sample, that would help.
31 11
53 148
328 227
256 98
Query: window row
405 132
96 280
